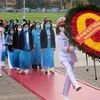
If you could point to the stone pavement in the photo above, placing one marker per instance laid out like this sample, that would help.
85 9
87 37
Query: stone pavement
11 90
83 75
80 68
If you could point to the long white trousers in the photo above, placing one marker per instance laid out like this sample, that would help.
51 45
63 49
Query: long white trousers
70 77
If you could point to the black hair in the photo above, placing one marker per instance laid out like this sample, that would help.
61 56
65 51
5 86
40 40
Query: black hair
46 22
25 24
24 20
9 30
29 22
32 27
19 25
1 22
17 20
12 20
37 23
6 28
33 21
17 28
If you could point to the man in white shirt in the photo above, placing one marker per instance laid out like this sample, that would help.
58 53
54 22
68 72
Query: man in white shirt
67 57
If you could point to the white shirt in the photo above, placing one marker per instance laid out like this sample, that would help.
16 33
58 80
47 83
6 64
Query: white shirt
65 55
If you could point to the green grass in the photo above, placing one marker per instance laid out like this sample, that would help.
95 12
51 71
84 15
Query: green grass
31 16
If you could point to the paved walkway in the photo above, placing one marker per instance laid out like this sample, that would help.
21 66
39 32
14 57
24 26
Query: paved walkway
83 75
80 68
50 87
11 90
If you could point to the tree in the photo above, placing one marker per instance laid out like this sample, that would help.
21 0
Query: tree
35 3
94 2
77 2
30 3
19 4
4 3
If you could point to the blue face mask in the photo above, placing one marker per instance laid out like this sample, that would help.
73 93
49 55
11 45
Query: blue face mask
38 26
11 32
48 25
26 29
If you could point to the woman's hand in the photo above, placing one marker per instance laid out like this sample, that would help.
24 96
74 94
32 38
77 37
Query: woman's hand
10 43
12 48
72 48
18 50
42 50
54 49
32 49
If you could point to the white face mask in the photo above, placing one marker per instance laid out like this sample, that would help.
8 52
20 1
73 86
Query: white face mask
62 29
20 29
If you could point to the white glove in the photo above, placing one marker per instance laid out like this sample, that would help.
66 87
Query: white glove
72 48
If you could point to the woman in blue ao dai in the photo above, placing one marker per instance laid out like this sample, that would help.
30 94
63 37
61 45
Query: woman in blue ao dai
47 38
10 50
37 49
16 46
26 47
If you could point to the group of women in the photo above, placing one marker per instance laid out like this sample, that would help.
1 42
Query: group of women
27 46
32 46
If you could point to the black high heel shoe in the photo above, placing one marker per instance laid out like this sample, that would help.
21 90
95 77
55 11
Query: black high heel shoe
46 72
52 72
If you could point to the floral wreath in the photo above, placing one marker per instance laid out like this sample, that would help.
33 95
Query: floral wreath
83 29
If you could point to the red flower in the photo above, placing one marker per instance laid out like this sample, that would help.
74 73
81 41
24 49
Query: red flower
95 37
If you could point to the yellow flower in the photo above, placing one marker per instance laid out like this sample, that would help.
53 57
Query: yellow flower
81 26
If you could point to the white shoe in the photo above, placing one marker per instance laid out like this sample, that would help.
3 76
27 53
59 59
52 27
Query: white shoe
65 98
18 69
21 71
0 75
42 70
77 87
26 71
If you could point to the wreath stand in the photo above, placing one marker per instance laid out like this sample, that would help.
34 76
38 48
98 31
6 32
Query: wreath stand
87 66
